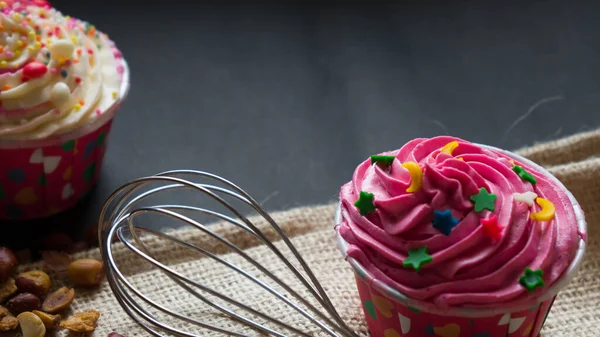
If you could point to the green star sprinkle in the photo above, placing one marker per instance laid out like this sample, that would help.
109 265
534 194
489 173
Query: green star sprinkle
382 160
484 200
532 279
416 258
524 174
365 203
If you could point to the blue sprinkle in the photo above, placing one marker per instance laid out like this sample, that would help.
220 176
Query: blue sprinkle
64 73
48 54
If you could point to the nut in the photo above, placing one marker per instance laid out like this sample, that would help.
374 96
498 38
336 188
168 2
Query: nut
56 262
7 289
86 272
81 321
36 282
31 325
8 323
50 321
23 302
58 300
8 263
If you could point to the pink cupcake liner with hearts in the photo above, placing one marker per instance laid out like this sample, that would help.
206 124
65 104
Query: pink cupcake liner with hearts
389 313
40 178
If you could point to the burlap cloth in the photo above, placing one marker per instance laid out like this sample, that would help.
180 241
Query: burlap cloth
574 160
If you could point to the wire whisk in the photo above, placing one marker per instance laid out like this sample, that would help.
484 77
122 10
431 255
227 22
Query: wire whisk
119 219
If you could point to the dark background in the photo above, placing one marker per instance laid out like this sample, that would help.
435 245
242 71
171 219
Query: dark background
286 100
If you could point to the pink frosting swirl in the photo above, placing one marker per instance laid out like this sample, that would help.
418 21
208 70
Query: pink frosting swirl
469 268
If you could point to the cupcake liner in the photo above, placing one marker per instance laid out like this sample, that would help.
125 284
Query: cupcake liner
390 313
39 178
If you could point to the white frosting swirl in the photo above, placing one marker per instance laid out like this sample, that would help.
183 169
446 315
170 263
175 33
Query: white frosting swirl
56 73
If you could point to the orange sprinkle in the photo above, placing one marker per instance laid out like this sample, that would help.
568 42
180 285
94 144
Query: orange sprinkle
38 38
82 102
76 60
6 87
79 51
1 27
1 49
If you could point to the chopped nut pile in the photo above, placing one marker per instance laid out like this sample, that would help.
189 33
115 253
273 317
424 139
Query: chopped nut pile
38 306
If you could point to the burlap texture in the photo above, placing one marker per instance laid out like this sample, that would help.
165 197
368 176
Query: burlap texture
574 160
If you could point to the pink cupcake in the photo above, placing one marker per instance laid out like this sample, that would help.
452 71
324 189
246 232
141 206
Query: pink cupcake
61 84
453 239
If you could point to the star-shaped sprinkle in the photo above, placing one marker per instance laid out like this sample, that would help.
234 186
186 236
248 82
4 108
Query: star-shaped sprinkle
527 197
524 174
416 258
365 203
383 161
491 227
532 279
444 221
484 200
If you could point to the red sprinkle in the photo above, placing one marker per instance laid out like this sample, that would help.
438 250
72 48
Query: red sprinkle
77 79
491 227
34 70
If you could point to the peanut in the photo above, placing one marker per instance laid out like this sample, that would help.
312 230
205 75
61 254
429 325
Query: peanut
36 282
8 323
50 321
8 263
31 325
86 272
7 289
81 321
58 300
23 302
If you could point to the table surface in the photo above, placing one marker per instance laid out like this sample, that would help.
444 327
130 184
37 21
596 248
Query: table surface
285 100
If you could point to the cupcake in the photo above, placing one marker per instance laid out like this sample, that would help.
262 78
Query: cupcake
61 83
453 239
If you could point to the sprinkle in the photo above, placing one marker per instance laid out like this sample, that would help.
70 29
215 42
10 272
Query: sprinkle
521 172
82 102
77 79
48 54
76 61
98 112
54 71
547 211
90 51
31 34
1 27
17 53
30 48
3 63
6 87
68 62
64 73
1 49
115 95
491 227
38 45
365 203
417 258
382 160
79 51
38 38
56 112
484 200
444 221
527 197
19 43
17 17
9 54
449 148
74 38
532 279
77 107
416 176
